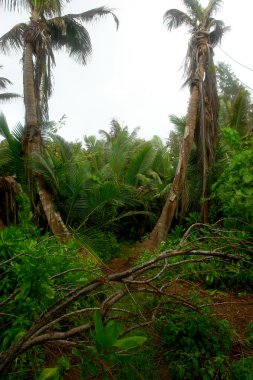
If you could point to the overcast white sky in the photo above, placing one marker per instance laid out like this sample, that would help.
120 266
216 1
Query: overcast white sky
134 74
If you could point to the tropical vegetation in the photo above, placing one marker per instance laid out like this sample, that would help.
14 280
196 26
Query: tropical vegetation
95 281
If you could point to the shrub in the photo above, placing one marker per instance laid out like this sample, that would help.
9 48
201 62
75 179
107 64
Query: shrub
196 346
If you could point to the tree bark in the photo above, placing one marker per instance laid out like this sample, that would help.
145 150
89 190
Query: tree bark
164 222
9 188
32 143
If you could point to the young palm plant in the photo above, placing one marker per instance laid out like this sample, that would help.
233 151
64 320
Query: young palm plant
46 32
206 33
11 162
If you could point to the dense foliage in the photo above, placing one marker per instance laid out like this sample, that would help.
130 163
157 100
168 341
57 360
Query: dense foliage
103 302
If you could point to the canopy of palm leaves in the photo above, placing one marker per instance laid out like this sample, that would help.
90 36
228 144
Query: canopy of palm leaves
48 31
93 187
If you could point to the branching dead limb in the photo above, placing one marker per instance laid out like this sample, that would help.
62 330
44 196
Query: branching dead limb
42 331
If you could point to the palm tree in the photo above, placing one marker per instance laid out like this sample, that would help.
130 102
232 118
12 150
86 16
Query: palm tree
6 96
201 124
46 32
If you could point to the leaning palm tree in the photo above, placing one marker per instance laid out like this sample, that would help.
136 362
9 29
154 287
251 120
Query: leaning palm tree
201 124
6 96
46 32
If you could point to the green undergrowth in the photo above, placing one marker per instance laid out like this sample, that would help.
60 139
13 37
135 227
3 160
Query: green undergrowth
185 341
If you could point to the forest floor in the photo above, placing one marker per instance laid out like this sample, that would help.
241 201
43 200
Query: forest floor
235 308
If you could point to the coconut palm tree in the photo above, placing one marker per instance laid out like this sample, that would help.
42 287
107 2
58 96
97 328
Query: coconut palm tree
201 124
46 32
6 96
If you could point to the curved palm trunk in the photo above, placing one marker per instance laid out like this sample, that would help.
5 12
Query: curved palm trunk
164 222
196 113
32 143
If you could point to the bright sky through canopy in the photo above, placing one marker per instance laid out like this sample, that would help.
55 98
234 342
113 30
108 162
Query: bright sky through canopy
134 74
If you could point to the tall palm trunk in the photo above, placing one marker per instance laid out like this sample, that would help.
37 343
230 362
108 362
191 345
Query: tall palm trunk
164 222
32 143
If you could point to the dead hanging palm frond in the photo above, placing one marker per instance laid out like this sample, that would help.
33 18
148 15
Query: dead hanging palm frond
9 188
71 35
200 49
13 39
219 29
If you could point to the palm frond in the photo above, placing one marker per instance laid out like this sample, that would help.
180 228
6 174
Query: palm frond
18 132
100 200
94 15
135 132
4 129
174 18
44 165
5 97
13 39
64 148
105 135
73 185
50 7
157 142
140 162
194 8
67 33
11 153
5 156
162 165
212 7
219 29
4 82
121 147
15 5
179 123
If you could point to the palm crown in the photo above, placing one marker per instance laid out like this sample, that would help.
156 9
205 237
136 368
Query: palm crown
46 32
49 31
206 33
202 115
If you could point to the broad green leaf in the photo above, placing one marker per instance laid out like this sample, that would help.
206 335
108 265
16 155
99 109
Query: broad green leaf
130 342
98 324
49 373
111 332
